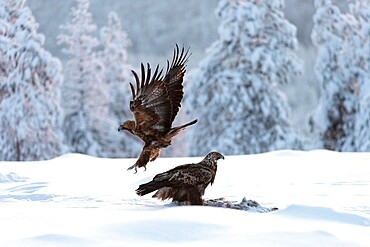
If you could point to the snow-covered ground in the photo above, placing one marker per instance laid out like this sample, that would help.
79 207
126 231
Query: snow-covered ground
76 200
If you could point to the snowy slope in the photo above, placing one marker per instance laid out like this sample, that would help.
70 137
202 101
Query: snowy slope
76 200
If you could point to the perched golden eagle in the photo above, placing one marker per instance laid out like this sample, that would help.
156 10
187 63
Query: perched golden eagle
155 104
185 183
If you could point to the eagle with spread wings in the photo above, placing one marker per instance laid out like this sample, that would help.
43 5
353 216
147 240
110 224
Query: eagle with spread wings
185 183
155 104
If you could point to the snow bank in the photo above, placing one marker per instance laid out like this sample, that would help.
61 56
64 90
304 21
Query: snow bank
10 178
78 200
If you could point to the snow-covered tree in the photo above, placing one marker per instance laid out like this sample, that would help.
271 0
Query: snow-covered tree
340 72
88 125
117 75
7 64
360 10
234 93
30 81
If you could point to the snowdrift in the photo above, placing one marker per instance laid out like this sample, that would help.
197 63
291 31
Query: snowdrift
77 200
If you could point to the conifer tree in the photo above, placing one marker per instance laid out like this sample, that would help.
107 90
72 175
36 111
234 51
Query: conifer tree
360 11
117 75
30 81
88 125
337 37
234 93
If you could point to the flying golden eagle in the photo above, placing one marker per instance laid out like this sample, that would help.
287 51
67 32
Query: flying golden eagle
185 183
155 104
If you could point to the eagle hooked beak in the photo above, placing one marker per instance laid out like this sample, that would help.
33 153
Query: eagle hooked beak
219 156
121 127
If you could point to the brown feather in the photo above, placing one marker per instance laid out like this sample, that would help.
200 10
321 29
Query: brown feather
132 90
142 75
148 75
156 102
184 183
137 82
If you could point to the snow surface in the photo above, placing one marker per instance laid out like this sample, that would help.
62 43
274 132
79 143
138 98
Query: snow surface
77 200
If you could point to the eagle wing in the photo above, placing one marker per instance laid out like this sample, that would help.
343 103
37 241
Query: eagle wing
157 98
183 183
185 176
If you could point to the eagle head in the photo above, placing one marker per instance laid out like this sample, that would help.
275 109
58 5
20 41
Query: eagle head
215 156
127 125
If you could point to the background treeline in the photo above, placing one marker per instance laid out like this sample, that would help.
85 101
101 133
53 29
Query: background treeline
264 75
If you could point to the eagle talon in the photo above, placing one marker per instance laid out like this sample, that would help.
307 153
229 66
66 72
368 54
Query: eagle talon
132 167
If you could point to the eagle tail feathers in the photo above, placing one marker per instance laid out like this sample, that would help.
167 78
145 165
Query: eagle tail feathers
181 127
148 188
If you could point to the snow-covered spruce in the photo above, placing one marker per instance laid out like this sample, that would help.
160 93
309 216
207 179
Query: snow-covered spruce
234 92
30 80
114 42
341 119
361 11
88 125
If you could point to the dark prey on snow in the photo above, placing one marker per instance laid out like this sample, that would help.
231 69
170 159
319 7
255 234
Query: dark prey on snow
155 104
184 183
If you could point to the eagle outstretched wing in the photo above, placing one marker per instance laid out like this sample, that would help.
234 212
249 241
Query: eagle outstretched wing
157 99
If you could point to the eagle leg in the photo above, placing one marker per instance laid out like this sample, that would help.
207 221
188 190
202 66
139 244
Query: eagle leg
132 167
154 154
142 160
194 197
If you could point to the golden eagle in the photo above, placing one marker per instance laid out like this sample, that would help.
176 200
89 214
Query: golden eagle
185 183
155 104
